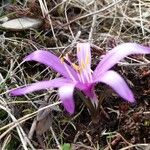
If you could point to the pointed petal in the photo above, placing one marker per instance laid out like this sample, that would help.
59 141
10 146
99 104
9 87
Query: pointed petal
52 61
84 54
117 83
118 53
58 82
66 95
84 59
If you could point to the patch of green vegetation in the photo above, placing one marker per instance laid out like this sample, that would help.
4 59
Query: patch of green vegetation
147 123
66 146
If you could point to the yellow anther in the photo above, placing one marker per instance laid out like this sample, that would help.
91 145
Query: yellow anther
62 60
78 49
87 60
83 65
76 67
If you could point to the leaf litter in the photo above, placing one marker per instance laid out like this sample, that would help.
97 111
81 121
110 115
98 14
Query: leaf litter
126 126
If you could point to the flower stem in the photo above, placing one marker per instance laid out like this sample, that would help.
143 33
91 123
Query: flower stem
94 112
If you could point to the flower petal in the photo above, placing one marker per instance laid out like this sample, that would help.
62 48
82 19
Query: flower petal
84 59
87 88
52 61
118 53
84 54
58 82
66 95
89 91
116 82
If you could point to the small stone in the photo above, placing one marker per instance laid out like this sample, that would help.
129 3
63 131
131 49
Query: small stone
3 19
22 24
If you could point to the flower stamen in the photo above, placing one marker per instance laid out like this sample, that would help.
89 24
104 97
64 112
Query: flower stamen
67 69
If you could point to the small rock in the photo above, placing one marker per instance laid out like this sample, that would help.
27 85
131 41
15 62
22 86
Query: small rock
3 19
22 24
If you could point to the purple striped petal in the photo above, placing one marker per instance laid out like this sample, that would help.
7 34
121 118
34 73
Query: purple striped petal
58 82
52 61
84 59
66 95
84 54
118 53
117 83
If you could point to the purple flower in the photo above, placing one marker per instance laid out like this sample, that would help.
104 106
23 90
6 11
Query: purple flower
81 76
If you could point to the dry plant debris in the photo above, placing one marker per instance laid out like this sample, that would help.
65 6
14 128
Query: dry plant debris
105 23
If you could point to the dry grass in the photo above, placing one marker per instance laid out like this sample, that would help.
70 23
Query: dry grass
105 24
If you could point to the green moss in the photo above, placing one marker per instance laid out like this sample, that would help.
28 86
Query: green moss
66 146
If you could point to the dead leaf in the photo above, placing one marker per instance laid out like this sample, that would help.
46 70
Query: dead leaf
44 120
44 125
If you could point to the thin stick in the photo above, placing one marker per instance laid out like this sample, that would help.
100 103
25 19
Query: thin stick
141 22
32 129
26 117
57 142
92 13
131 146
68 22
93 22
20 131
46 15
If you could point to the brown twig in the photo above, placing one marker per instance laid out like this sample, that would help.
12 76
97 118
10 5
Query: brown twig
92 13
